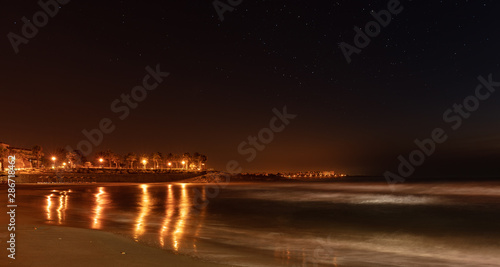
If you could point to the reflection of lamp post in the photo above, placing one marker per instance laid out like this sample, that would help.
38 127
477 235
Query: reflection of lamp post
144 162
54 160
101 160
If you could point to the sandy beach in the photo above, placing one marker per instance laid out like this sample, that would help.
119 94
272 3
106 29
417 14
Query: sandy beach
40 244
66 246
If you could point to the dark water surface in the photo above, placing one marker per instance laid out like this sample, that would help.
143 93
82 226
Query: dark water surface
306 224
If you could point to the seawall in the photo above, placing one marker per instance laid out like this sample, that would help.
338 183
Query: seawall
102 177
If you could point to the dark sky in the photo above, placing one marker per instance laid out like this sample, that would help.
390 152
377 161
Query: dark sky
226 77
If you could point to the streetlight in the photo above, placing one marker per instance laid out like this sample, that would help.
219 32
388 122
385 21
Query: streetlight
54 160
101 160
170 164
144 161
183 163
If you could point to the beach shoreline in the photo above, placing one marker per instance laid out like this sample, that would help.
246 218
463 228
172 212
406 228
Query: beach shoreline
47 245
39 244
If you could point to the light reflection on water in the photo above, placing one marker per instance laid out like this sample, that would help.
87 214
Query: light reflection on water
183 213
143 212
99 205
49 205
169 211
288 225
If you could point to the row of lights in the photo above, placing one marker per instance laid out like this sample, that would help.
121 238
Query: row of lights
101 160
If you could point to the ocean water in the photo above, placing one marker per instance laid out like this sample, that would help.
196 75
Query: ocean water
295 224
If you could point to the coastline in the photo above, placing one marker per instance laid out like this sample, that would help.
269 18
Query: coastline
39 244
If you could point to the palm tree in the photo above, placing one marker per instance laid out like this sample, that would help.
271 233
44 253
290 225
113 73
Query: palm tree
80 158
116 159
169 158
131 158
110 156
23 155
157 157
196 160
203 160
144 160
187 158
199 160
72 157
37 152
177 159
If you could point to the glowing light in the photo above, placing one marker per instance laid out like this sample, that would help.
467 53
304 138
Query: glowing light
61 209
101 160
183 162
170 206
99 201
64 163
53 158
49 204
183 212
145 207
170 164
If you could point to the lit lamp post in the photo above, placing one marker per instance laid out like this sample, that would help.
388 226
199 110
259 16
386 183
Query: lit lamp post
101 160
183 164
170 165
144 162
54 164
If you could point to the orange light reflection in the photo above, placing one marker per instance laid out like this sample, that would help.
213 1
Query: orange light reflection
100 199
49 204
183 212
61 210
145 207
170 206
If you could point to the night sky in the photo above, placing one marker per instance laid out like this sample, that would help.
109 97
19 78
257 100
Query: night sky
227 76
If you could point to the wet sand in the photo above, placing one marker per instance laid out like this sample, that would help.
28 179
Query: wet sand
39 244
66 246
